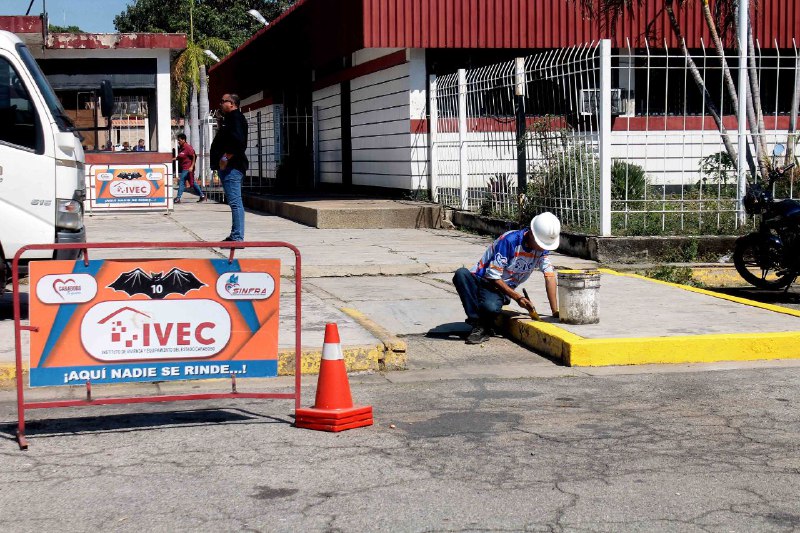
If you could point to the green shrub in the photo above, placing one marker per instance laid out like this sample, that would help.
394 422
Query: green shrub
718 168
628 181
674 274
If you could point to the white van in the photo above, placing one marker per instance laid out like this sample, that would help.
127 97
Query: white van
42 185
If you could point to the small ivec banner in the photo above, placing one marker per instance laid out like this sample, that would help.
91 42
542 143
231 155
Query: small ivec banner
159 320
128 186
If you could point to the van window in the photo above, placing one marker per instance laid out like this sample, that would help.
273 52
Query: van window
18 118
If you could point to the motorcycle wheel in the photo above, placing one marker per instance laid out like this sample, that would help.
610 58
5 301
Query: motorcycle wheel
747 257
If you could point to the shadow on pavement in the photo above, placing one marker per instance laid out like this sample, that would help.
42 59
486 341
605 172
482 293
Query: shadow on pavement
128 422
455 331
781 297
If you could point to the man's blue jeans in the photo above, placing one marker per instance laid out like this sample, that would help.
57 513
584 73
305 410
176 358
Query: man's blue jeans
481 302
232 185
182 185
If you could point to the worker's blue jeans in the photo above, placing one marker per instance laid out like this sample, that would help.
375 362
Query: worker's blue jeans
481 302
232 184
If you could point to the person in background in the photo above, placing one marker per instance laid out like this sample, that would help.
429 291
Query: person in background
139 147
228 158
186 162
505 265
126 146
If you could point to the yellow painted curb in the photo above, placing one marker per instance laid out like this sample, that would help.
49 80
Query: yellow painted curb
574 350
356 359
8 373
394 349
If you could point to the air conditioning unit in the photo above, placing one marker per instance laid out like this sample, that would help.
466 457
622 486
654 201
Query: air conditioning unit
589 102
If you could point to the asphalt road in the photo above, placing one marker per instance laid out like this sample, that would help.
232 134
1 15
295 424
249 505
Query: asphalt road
689 448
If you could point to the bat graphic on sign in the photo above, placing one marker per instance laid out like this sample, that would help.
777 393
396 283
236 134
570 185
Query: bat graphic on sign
156 285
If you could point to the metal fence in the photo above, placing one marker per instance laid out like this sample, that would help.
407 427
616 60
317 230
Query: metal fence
279 151
629 132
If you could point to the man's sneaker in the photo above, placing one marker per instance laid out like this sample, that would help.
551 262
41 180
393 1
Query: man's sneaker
202 199
478 335
177 200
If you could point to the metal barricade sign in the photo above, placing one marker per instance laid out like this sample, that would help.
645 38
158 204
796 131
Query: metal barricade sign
142 320
128 186
127 321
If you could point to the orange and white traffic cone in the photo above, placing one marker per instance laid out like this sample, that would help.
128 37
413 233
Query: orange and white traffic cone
333 408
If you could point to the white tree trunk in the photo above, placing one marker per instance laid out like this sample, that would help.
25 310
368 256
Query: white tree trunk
791 138
204 167
195 136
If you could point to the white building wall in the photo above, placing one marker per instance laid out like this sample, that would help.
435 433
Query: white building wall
668 157
380 126
418 101
328 102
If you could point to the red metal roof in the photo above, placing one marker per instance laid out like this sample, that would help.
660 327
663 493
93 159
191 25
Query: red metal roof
319 34
550 24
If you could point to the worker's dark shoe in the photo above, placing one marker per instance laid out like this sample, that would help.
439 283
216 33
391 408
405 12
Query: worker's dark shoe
478 335
177 200
202 199
492 332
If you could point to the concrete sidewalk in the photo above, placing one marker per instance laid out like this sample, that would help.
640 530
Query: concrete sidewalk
379 285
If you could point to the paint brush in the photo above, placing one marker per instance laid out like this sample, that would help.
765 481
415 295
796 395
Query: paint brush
532 312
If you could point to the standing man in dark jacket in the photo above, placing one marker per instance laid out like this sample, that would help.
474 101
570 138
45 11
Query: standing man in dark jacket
228 159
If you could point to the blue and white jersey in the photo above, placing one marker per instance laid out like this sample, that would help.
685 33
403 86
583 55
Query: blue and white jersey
510 260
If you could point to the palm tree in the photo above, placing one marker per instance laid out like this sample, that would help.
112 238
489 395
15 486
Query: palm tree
190 84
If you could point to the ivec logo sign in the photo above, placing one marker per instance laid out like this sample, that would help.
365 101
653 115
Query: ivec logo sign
129 189
157 329
66 288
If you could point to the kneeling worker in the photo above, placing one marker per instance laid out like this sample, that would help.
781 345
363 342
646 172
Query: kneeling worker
507 263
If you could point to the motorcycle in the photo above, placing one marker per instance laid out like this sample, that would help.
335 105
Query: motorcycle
769 258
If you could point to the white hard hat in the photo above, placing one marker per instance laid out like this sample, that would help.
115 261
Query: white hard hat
546 230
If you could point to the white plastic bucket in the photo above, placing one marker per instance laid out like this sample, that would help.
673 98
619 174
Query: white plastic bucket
577 296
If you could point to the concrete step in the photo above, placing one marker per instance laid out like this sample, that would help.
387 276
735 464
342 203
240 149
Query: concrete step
349 212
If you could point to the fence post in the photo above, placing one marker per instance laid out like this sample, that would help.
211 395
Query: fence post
519 113
743 20
433 130
605 137
462 136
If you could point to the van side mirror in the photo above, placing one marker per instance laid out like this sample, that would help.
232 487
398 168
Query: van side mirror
106 99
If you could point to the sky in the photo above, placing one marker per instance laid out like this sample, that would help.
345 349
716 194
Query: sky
94 16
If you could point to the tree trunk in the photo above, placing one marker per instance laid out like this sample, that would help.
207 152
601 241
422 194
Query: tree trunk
730 86
203 167
698 80
195 136
791 138
754 100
